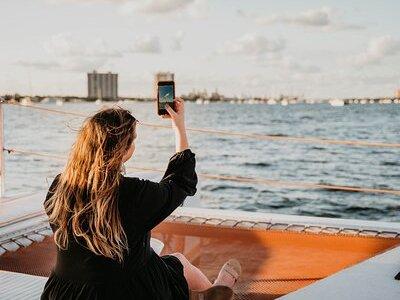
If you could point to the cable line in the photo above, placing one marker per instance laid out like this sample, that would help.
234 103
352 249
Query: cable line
263 181
307 140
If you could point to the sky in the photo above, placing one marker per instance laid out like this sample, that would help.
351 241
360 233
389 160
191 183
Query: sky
311 49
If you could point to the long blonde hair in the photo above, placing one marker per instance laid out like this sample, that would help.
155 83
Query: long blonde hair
85 199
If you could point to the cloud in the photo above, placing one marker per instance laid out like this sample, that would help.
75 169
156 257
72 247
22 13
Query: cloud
199 10
315 17
154 6
83 64
287 65
163 6
66 52
323 17
66 45
146 44
181 8
378 49
86 1
264 52
252 45
291 65
41 65
76 64
71 64
177 40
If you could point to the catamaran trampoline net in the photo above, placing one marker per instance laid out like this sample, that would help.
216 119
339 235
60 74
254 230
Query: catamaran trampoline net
274 263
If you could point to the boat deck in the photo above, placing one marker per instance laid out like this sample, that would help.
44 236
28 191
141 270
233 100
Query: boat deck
301 257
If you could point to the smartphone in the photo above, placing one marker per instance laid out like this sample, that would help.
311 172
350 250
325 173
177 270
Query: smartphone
165 94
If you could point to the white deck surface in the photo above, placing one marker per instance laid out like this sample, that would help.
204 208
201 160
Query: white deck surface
372 279
16 286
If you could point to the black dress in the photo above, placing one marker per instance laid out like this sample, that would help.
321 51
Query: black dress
81 274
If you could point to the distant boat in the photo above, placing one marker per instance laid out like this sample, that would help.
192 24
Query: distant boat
336 102
253 101
284 102
385 101
199 101
26 101
56 101
271 101
98 101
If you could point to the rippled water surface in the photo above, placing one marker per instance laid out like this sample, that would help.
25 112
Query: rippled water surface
318 163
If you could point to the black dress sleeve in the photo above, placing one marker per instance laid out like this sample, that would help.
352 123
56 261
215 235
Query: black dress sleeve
154 201
49 194
52 188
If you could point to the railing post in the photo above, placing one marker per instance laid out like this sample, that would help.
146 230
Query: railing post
2 173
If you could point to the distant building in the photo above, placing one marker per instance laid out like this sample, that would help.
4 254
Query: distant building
164 76
102 86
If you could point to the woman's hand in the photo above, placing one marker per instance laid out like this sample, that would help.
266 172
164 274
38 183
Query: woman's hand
178 123
178 116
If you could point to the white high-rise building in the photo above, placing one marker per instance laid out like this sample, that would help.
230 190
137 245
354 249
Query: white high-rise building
102 86
164 76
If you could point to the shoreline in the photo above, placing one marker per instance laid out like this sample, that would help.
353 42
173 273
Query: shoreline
283 100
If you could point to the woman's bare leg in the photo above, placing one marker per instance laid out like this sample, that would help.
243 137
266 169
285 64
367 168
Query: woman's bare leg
196 280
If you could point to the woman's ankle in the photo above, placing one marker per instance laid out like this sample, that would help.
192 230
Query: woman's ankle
225 279
229 273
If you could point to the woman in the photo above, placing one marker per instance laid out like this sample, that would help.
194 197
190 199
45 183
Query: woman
102 219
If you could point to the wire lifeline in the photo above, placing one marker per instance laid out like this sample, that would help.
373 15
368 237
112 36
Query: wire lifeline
264 181
308 140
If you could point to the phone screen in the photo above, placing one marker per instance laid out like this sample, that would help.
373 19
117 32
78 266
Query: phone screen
165 95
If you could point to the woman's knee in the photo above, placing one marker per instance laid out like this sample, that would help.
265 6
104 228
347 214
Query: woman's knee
182 258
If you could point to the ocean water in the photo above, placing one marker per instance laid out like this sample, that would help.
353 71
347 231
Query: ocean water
39 131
